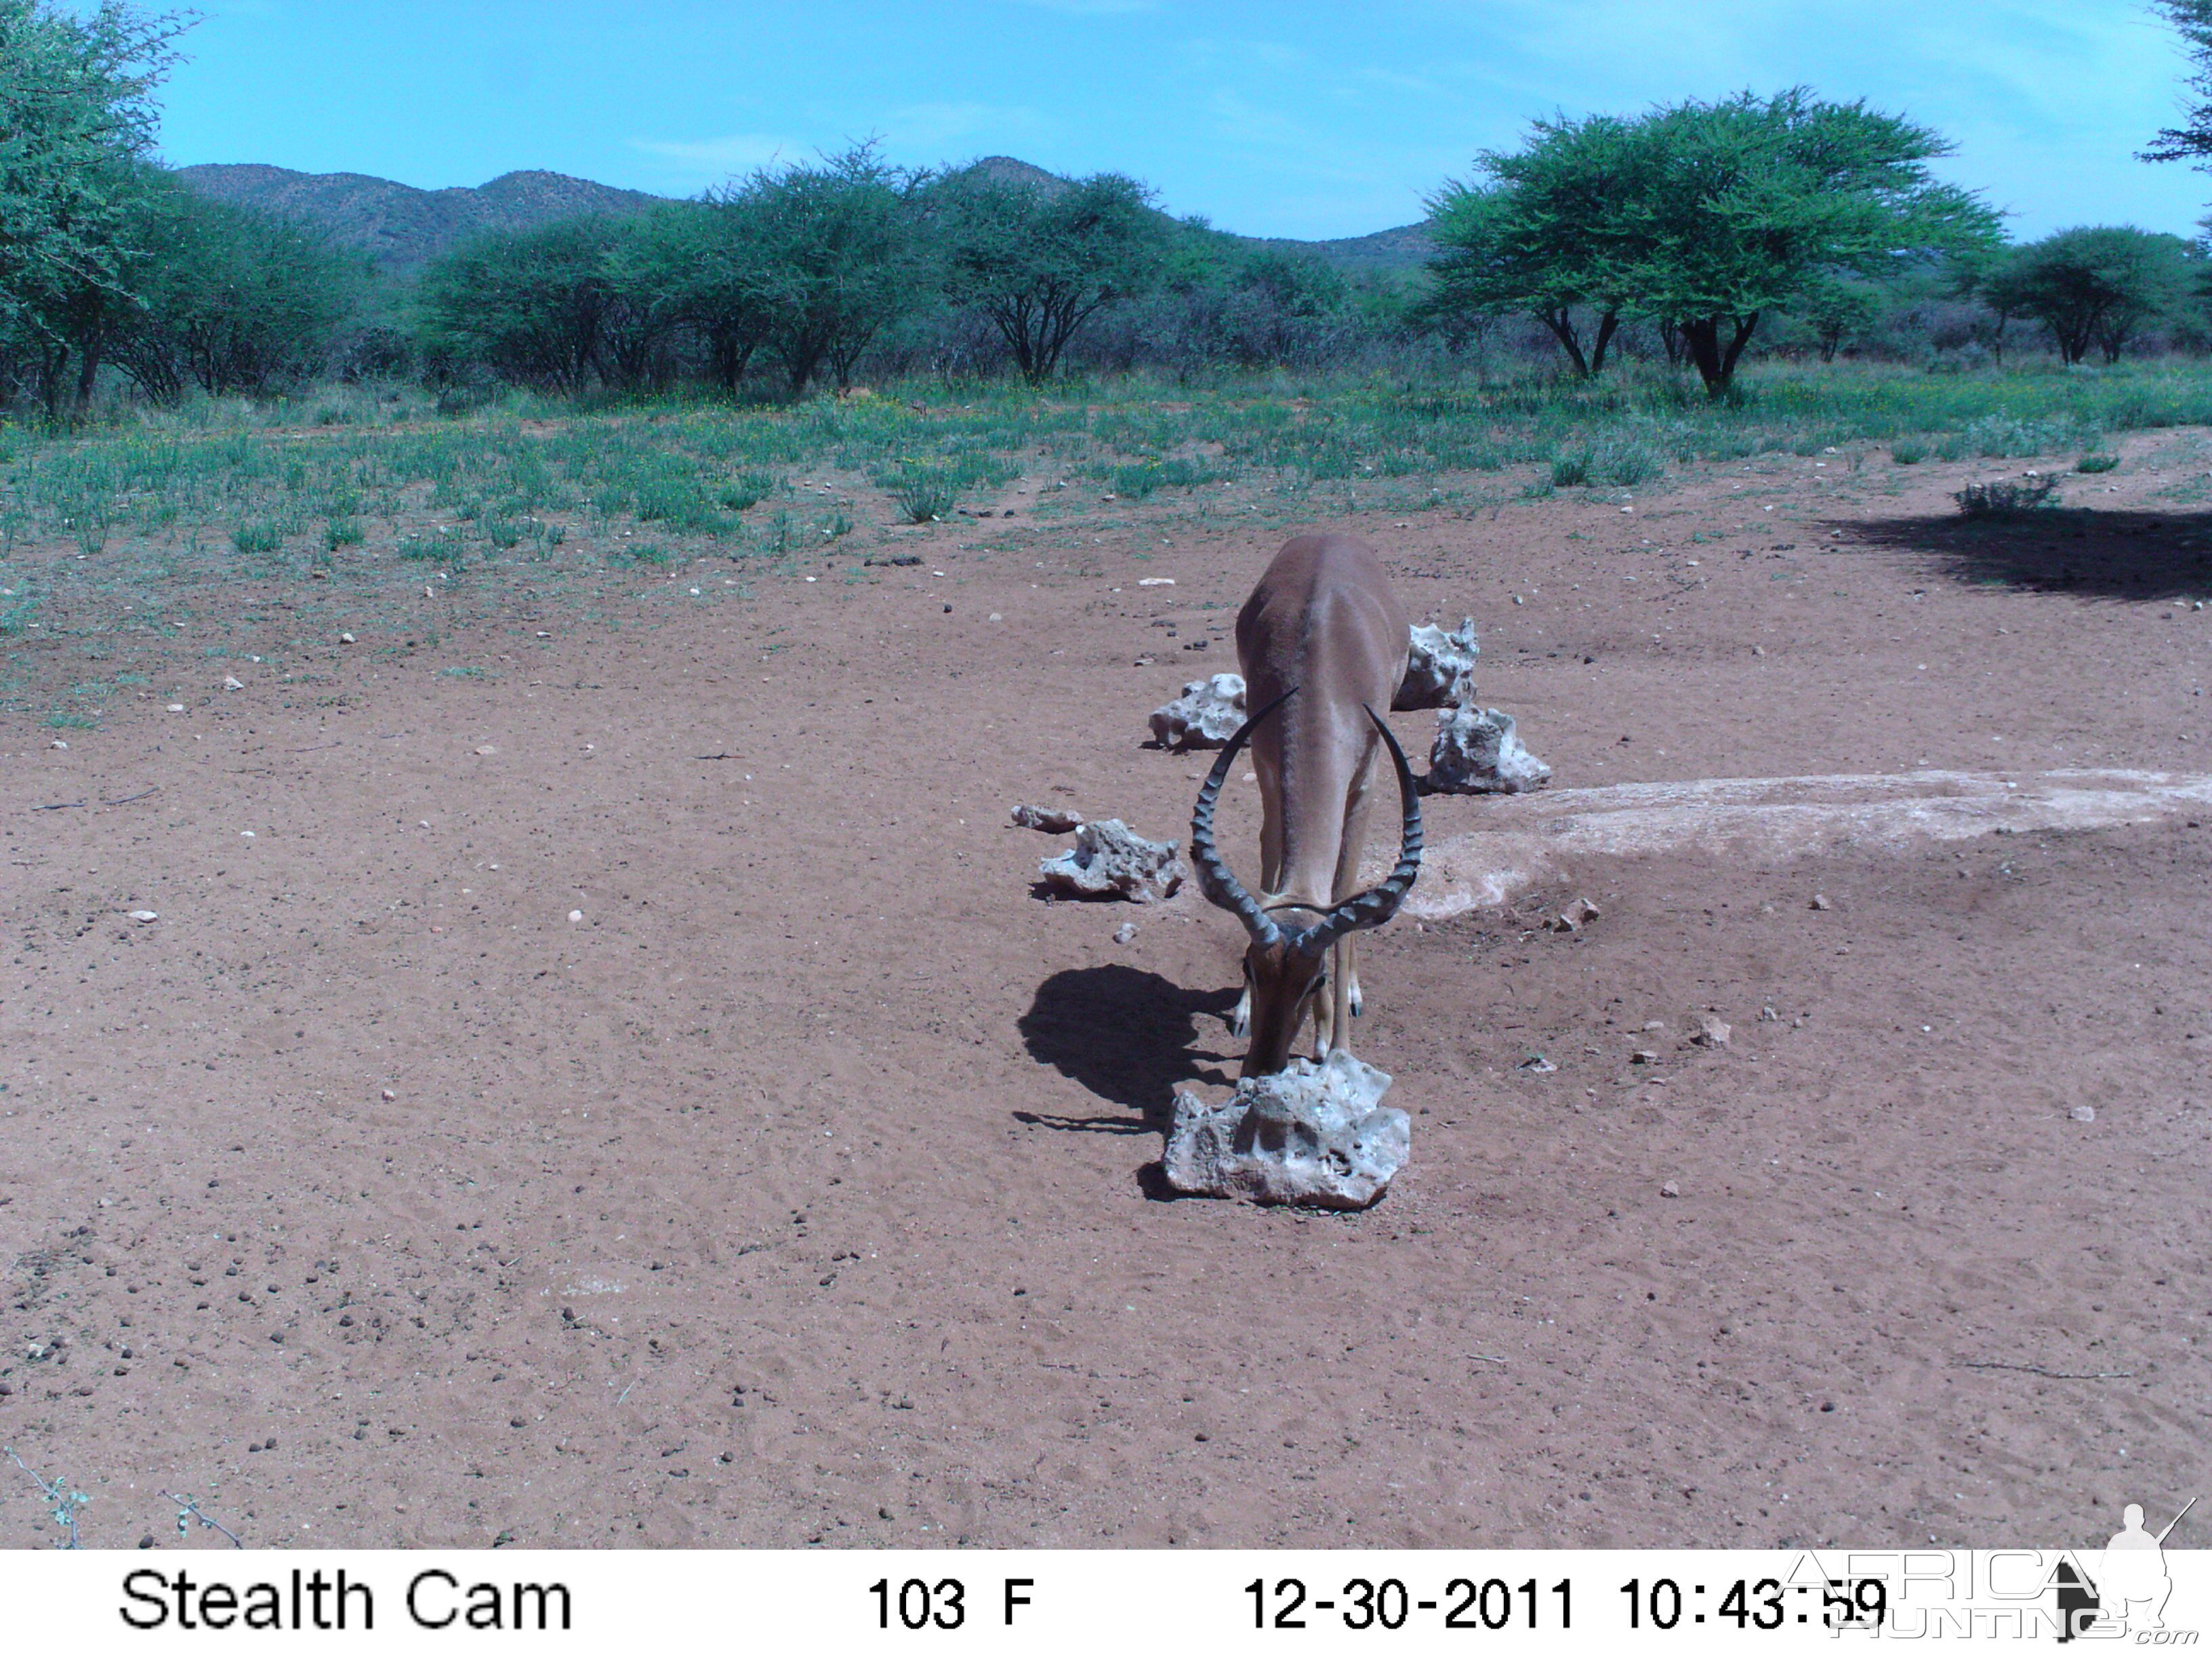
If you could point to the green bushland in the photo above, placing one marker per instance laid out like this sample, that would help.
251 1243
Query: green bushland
696 469
185 515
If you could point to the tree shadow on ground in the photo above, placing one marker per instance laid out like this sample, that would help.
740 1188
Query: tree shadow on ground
1127 1035
2118 555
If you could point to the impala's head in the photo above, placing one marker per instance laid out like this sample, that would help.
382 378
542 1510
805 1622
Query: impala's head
1286 964
1283 981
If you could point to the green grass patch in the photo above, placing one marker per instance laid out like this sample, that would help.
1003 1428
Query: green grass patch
922 494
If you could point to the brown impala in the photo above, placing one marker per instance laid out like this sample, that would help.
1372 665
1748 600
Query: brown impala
1322 644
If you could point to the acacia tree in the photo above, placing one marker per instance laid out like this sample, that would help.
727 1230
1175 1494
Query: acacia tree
2093 285
76 114
1834 308
833 255
1040 261
234 300
1708 215
2192 139
534 305
704 261
1532 237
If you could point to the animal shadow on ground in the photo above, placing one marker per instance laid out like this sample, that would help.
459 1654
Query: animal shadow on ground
1127 1035
2119 555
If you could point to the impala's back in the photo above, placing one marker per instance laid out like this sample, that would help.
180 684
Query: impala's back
1322 620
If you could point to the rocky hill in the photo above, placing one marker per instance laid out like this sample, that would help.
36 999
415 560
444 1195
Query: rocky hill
406 227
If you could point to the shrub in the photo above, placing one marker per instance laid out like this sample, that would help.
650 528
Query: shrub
2096 464
746 490
2007 435
1905 453
2007 498
1135 480
342 533
256 538
923 495
1619 459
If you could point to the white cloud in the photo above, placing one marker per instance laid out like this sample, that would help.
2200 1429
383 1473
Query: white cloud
928 133
712 159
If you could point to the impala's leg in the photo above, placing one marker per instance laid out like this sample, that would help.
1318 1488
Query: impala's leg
1271 865
1332 1012
1346 997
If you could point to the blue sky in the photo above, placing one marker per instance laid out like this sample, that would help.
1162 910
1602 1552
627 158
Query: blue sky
1284 119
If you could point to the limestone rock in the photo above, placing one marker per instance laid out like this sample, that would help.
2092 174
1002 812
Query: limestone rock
1712 1032
1053 820
1578 915
1309 1134
1477 753
1439 668
1205 716
1109 859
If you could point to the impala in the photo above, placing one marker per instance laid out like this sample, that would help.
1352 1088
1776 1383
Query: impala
1322 643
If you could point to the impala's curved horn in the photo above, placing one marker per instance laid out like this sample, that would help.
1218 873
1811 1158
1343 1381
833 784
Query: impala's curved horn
1213 877
1378 904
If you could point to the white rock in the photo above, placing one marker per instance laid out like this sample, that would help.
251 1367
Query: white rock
58 743
1439 667
345 639
1125 932
1205 716
1053 820
176 708
2083 1114
1309 1134
1712 1032
145 915
1152 581
1477 753
576 916
232 683
1109 858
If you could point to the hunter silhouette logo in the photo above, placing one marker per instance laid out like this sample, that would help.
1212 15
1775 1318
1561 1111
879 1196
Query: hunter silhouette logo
2131 1585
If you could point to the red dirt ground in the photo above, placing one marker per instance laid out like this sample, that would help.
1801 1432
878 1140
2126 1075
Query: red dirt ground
799 1192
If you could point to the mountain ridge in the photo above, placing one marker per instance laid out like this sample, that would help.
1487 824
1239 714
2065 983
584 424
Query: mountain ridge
405 227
